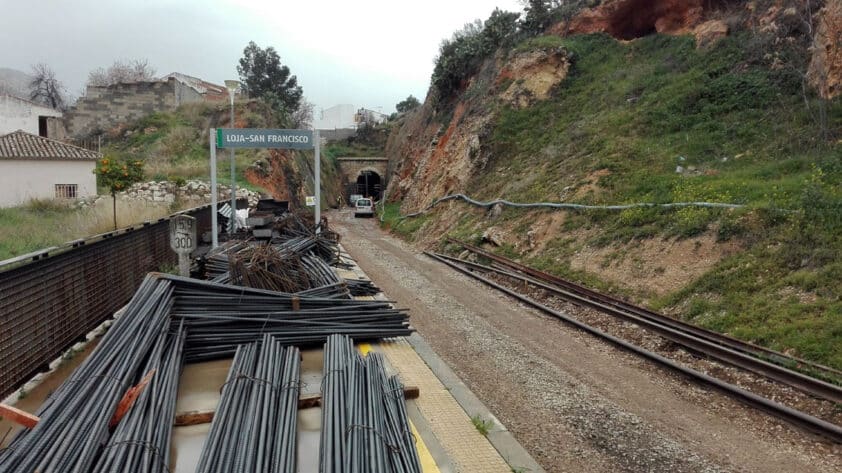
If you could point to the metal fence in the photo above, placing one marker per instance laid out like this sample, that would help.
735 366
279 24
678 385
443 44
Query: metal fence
52 298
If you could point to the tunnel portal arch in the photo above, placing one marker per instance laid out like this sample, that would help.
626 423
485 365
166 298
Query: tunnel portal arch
364 176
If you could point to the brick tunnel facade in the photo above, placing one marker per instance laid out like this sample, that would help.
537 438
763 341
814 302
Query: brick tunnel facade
364 176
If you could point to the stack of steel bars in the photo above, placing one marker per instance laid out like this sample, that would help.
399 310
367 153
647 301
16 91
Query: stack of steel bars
254 428
219 317
216 262
141 441
74 421
281 267
361 287
266 267
364 422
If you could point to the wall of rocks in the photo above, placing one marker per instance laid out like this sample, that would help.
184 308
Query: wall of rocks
190 194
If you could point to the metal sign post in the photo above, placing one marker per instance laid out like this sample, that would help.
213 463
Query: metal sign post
264 138
318 183
183 241
214 217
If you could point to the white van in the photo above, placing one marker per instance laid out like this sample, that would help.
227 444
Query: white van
363 206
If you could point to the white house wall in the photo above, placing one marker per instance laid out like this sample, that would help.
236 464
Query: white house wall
24 180
16 114
337 117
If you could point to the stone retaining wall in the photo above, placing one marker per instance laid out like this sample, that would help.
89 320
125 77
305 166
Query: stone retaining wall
191 194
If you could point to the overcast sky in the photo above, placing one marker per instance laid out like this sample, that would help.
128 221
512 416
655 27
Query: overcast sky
369 53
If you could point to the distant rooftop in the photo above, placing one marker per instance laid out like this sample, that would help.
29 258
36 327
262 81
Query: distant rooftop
22 145
21 99
201 86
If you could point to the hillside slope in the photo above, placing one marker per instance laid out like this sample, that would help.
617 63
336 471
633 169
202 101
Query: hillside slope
175 146
589 118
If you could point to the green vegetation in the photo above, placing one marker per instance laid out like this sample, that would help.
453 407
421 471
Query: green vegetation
174 146
461 56
635 112
658 120
117 176
408 227
22 229
45 223
262 75
352 150
631 113
483 426
409 103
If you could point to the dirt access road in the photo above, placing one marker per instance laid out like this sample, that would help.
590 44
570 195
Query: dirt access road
575 403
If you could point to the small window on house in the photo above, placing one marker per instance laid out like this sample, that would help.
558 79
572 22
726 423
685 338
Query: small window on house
65 191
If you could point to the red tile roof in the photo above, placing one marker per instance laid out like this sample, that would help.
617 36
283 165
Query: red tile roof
23 145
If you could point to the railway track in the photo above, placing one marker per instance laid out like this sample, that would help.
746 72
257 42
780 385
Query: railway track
695 339
598 300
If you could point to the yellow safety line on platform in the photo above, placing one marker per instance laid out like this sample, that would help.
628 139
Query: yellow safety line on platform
428 465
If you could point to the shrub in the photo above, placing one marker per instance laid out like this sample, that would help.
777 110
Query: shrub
461 56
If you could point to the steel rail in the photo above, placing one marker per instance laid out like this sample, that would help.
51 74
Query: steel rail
704 347
710 335
793 416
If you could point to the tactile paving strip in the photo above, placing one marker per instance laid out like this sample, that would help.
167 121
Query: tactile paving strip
465 446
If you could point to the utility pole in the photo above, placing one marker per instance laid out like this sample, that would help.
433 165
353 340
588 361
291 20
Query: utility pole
232 86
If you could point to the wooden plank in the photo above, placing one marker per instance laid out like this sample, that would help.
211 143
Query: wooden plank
194 418
18 416
304 402
129 398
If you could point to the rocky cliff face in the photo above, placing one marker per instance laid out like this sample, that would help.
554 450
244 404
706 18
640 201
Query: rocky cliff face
709 20
436 152
434 155
288 175
630 19
825 72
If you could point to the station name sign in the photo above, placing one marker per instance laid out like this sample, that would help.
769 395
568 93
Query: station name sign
263 138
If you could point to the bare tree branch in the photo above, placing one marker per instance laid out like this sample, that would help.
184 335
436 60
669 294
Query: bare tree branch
45 88
137 70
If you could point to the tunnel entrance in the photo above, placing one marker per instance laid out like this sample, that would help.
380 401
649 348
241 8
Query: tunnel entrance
368 184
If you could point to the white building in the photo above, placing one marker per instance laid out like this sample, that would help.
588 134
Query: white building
19 114
33 167
369 117
338 117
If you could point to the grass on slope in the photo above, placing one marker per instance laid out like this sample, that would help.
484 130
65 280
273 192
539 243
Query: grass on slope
631 113
44 223
174 145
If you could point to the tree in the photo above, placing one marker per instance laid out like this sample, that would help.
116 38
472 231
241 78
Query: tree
263 76
45 88
500 28
538 17
410 103
118 175
303 117
137 70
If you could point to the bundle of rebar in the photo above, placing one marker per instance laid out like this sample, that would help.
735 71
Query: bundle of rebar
141 441
254 428
219 317
217 261
364 421
293 266
300 223
266 267
74 421
170 319
361 287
